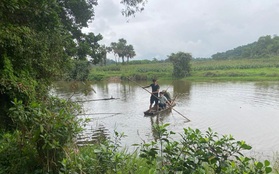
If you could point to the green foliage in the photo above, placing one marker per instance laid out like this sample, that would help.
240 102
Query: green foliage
201 70
37 41
109 68
181 64
16 156
266 46
88 46
43 132
134 62
14 85
96 76
194 153
237 69
104 157
102 52
211 64
149 69
198 153
137 71
79 70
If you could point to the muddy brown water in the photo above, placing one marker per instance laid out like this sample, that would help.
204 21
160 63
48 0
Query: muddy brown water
247 110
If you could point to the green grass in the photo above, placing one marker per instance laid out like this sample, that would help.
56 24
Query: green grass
139 71
264 69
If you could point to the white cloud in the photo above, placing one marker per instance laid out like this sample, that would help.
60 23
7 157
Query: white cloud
200 27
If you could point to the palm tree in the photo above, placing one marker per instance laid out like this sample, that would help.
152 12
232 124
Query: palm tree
130 52
121 49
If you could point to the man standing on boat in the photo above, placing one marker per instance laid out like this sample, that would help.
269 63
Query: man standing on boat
154 95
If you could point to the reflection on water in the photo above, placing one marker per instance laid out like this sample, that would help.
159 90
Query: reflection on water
68 89
181 90
93 135
181 87
247 110
157 120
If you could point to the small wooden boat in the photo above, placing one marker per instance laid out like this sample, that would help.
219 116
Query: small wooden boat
161 110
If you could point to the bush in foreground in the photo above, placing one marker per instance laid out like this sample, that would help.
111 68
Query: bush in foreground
195 153
43 132
198 153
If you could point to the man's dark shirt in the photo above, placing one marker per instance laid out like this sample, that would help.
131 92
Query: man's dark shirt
155 88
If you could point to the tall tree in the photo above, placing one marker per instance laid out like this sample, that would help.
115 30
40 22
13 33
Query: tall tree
130 52
121 48
103 50
181 64
114 50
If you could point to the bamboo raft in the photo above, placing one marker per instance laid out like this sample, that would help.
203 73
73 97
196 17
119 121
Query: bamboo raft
153 110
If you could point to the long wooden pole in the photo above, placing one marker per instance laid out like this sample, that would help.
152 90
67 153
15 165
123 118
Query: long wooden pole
167 88
158 98
111 98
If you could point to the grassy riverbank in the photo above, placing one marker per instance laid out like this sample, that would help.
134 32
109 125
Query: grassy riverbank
263 69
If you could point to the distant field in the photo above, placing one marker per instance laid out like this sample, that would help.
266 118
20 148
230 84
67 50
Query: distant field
139 71
202 70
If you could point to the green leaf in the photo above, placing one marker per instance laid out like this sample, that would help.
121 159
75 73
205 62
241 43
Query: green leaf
171 132
233 164
246 159
41 128
259 165
97 151
268 169
266 163
165 139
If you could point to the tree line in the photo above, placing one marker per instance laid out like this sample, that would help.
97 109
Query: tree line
265 46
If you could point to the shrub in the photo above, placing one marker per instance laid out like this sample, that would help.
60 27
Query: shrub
198 153
17 156
96 76
43 132
104 157
79 70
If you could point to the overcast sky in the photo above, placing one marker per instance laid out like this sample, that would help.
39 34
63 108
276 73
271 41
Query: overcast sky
199 27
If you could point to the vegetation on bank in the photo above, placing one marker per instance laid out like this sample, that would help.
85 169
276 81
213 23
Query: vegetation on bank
195 153
260 69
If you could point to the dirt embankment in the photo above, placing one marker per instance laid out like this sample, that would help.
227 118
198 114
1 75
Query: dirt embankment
114 79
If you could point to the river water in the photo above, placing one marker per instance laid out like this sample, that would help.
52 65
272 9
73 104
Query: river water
247 110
